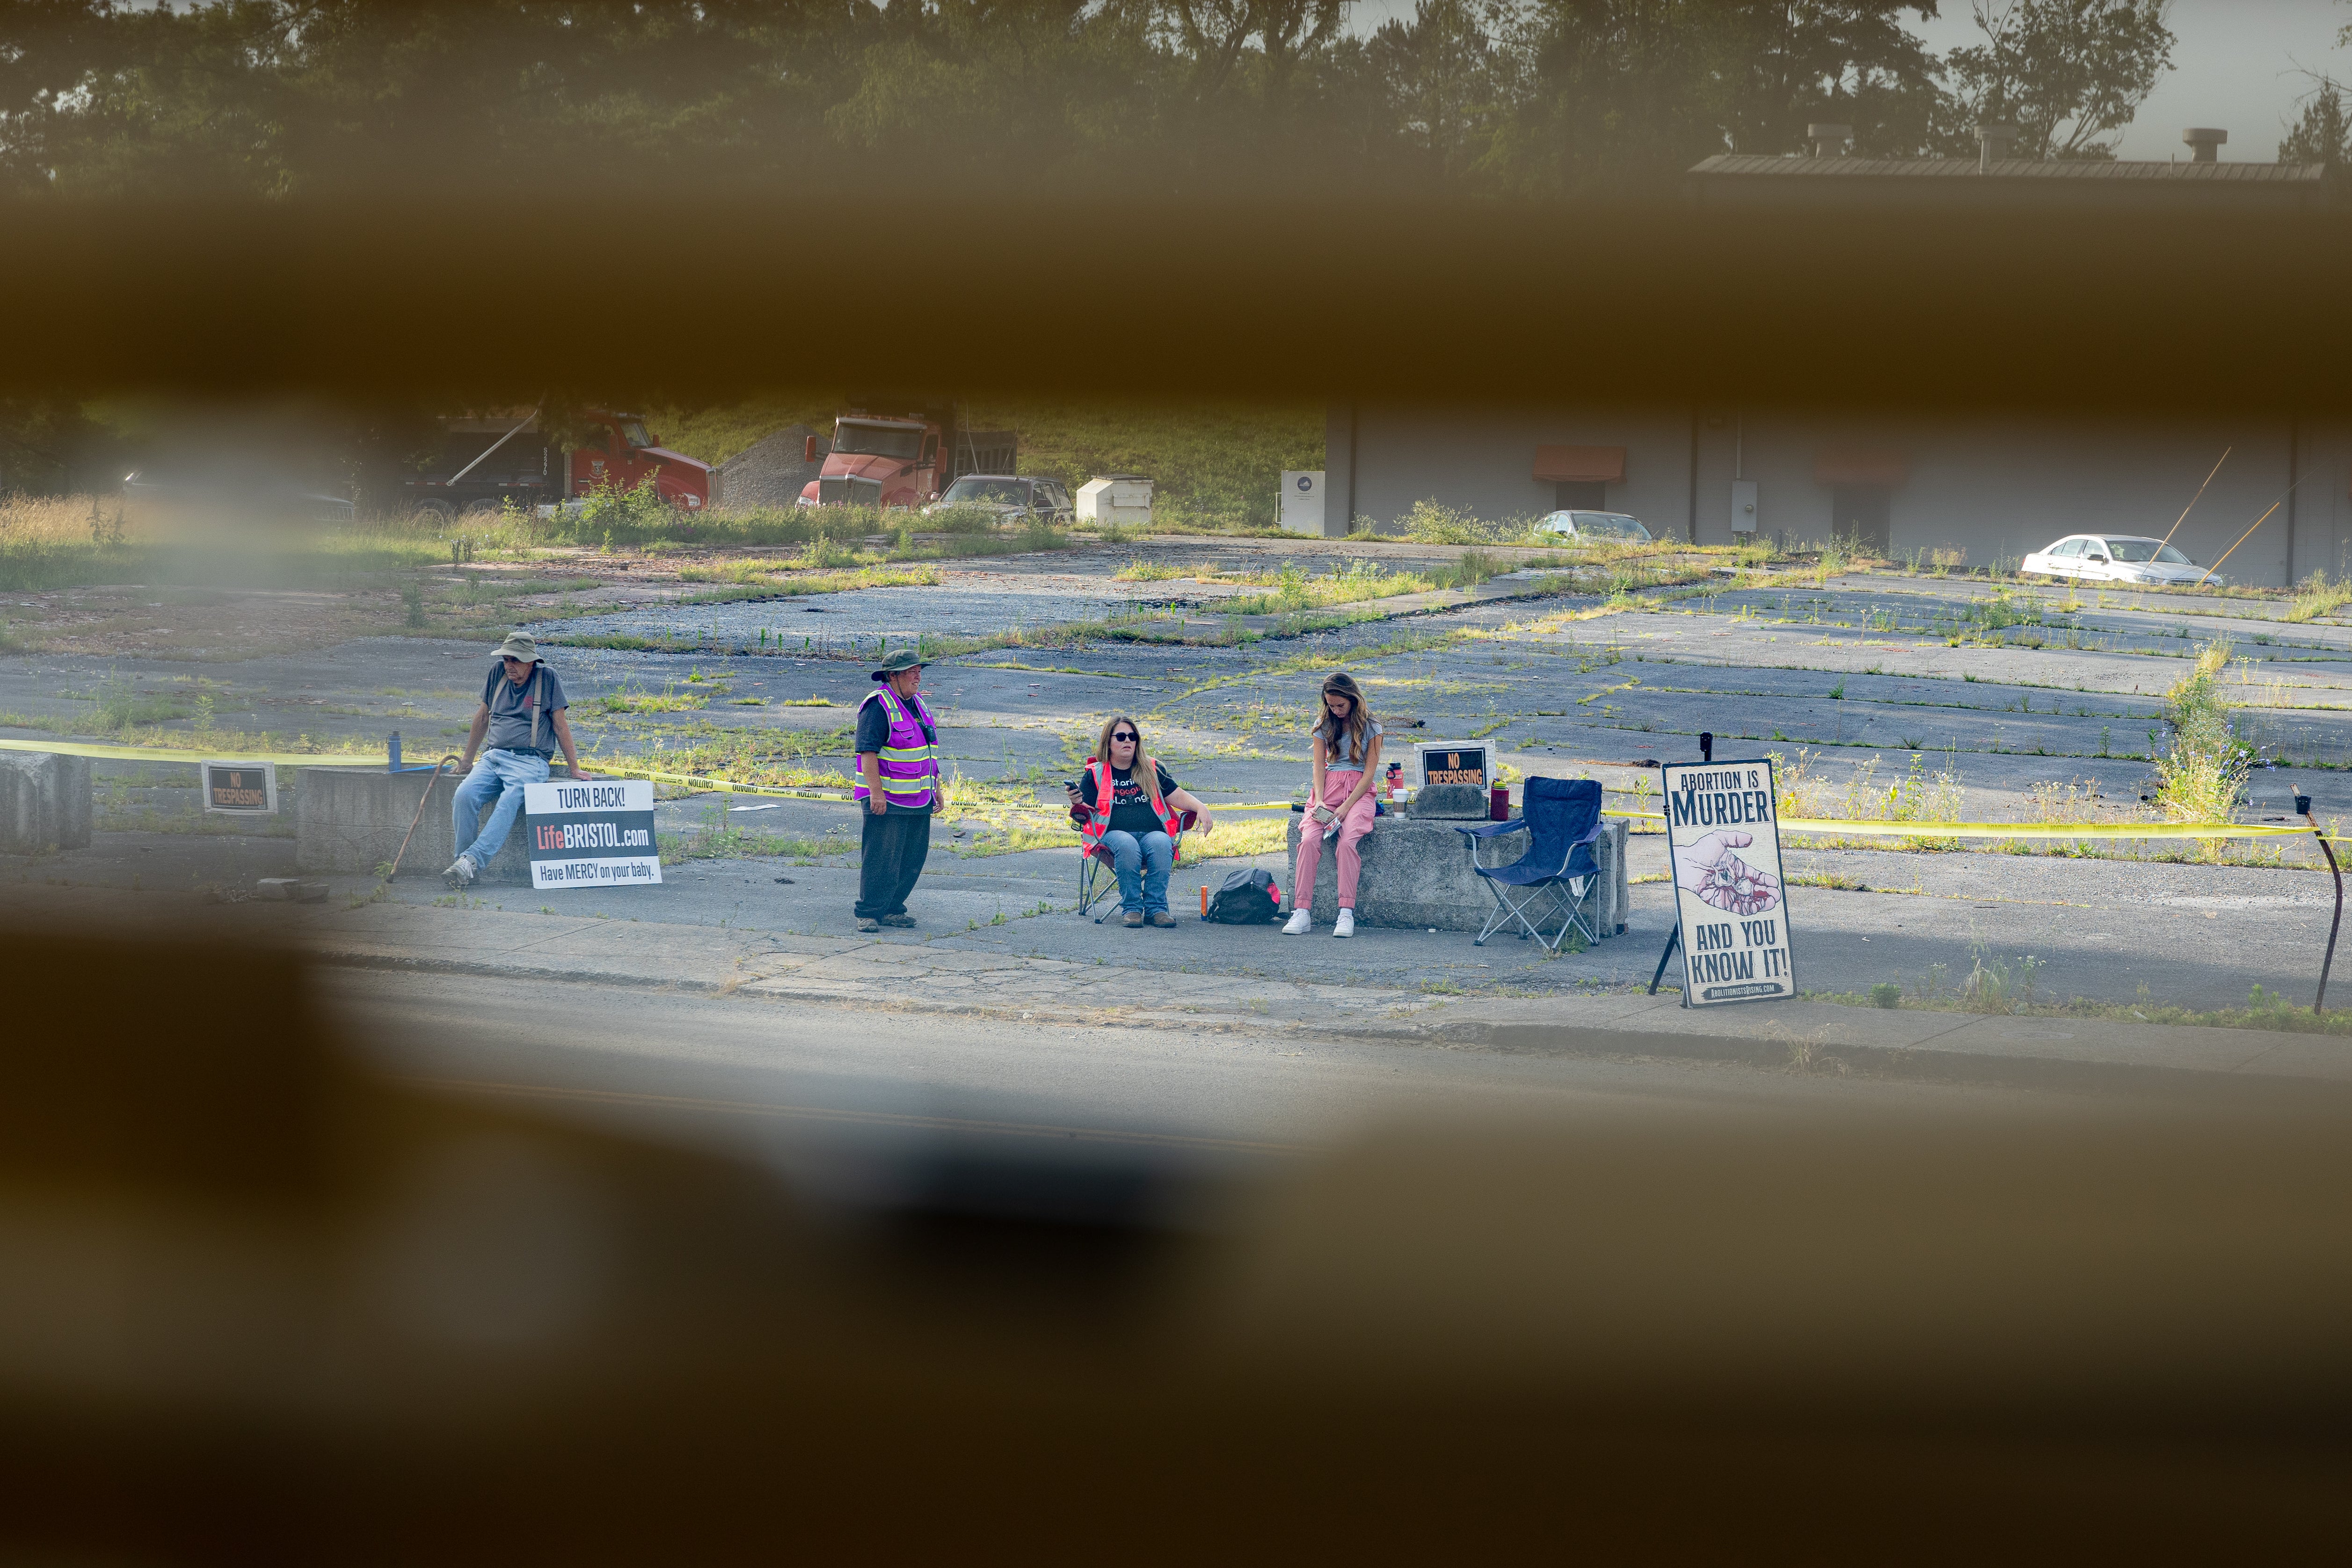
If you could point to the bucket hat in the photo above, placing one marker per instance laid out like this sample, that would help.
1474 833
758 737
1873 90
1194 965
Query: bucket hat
520 645
905 658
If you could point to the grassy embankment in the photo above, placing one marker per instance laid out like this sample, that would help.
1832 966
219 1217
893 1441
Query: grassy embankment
1216 469
48 542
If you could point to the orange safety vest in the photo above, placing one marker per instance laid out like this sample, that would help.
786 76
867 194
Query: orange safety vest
1099 820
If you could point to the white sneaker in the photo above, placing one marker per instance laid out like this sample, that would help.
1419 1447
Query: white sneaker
460 874
1301 922
1347 923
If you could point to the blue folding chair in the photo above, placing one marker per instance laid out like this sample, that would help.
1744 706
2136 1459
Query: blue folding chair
1562 818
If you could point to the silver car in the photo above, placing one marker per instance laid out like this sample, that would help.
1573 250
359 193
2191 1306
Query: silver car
1593 527
2119 558
1010 496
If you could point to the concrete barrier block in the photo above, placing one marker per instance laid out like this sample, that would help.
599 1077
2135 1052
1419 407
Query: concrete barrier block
45 802
1602 909
1620 836
1417 873
350 820
1449 802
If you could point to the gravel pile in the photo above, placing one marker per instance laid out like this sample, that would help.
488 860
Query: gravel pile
771 471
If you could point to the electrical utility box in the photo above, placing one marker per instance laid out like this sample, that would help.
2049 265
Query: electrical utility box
1743 507
1302 503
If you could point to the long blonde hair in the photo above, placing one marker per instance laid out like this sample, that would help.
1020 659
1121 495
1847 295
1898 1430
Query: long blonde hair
1145 769
1102 741
1358 723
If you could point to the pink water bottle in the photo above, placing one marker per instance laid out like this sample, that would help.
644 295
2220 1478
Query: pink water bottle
1499 802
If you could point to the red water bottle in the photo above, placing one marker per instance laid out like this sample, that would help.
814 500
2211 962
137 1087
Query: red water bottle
1499 802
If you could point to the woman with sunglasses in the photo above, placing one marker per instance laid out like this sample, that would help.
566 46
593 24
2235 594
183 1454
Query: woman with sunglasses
1136 826
1347 759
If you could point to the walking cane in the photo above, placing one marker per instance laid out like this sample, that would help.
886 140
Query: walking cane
413 821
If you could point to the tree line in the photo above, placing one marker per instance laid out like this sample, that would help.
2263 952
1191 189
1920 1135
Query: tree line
1526 100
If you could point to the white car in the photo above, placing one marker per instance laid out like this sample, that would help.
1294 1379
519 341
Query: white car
1615 527
2119 558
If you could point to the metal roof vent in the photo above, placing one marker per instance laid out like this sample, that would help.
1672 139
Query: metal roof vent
2206 140
1995 141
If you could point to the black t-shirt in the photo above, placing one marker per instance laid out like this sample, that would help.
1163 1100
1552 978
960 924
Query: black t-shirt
874 733
1130 809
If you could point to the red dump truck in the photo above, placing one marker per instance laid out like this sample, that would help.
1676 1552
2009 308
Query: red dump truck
485 462
894 460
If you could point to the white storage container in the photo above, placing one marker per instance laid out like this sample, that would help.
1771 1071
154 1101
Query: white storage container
1116 498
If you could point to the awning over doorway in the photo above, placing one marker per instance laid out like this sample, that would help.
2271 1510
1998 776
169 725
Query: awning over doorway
1587 465
1861 466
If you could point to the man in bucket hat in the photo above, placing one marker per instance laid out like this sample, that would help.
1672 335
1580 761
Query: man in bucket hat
898 785
522 717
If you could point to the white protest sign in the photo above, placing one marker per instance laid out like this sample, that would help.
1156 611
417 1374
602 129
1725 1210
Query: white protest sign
1723 834
593 833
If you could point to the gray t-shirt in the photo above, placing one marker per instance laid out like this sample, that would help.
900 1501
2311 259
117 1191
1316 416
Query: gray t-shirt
513 707
1335 754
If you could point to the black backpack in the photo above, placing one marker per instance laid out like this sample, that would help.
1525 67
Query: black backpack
1246 898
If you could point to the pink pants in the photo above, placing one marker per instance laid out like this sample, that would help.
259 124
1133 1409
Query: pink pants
1353 828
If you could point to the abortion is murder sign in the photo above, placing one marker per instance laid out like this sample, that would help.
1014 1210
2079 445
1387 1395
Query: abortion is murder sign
1723 832
593 833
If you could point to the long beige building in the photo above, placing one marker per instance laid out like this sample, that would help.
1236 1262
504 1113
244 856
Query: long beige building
1995 487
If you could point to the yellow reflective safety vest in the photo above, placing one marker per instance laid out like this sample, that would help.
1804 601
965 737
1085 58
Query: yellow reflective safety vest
909 759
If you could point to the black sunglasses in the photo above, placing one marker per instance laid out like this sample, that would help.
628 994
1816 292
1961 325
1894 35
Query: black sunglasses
1124 735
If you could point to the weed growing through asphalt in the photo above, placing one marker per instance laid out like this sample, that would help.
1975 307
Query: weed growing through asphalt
2318 595
720 839
2201 772
119 703
1999 985
668 700
1919 795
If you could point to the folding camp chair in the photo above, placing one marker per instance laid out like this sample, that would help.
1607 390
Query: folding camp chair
1562 818
1096 878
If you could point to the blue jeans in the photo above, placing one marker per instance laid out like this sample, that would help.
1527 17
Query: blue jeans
1142 868
499 773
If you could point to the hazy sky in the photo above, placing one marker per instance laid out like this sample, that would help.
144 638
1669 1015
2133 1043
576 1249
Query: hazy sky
2237 64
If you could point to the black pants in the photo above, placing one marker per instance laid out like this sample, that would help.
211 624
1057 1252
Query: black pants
891 858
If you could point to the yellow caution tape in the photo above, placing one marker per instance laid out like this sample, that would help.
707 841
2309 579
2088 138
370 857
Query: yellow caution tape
1792 823
728 786
2045 830
2023 829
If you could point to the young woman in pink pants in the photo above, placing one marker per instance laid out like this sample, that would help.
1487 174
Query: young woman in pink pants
1346 760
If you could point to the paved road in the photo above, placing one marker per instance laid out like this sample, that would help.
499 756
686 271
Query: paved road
860 1102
